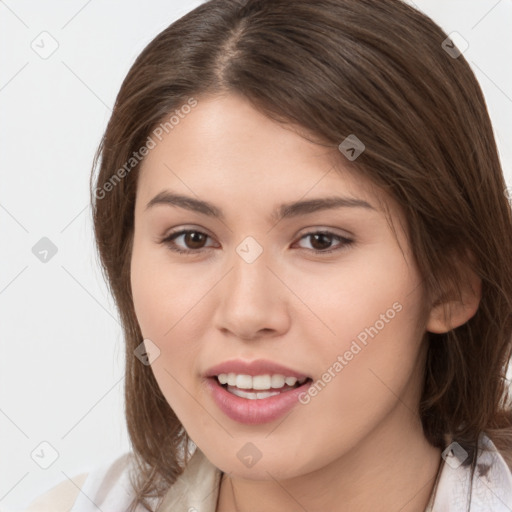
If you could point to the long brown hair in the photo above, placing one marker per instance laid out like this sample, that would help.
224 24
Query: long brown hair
376 69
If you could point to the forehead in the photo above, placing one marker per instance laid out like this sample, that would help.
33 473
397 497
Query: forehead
225 148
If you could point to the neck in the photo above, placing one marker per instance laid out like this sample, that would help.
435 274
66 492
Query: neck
390 469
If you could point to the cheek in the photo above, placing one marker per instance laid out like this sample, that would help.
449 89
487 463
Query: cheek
162 295
373 311
167 305
149 308
374 290
164 308
377 321
373 366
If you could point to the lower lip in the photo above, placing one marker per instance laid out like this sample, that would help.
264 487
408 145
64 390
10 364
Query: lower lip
254 412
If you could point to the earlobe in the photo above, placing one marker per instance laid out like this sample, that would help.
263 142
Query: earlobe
451 312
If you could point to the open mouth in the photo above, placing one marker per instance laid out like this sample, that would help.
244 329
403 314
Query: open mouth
256 399
259 387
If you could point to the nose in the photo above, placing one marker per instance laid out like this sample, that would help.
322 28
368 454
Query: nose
253 300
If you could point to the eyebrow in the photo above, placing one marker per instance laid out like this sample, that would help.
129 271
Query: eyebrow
284 211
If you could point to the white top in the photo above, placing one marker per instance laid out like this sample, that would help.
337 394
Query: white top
108 489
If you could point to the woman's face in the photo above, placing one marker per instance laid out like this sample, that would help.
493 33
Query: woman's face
257 286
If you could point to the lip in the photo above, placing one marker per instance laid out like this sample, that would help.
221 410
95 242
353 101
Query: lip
253 368
254 412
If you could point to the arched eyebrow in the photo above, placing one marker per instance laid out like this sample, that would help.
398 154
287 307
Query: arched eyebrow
283 211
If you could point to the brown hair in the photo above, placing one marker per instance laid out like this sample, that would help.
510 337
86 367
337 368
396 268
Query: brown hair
334 67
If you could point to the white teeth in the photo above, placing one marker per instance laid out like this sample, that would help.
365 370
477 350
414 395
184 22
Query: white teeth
290 381
277 381
260 382
253 396
243 382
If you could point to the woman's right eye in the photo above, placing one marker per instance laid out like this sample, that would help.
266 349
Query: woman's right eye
191 238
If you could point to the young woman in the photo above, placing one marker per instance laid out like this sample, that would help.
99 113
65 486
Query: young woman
300 211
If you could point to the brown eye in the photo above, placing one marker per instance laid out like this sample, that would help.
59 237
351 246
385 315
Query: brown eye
192 240
321 241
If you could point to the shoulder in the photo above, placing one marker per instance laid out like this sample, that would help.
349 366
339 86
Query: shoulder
490 488
493 478
60 498
107 483
109 487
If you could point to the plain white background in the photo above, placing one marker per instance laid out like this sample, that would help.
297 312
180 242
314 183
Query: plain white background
61 365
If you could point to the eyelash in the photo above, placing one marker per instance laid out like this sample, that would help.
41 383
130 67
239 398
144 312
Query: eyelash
169 241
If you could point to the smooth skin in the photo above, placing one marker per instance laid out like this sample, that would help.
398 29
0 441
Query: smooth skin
358 444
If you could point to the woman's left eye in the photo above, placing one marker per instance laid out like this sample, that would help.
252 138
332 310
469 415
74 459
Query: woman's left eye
325 237
194 241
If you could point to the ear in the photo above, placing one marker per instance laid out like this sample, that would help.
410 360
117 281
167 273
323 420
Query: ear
454 310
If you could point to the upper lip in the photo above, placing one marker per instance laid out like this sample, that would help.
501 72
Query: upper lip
253 368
